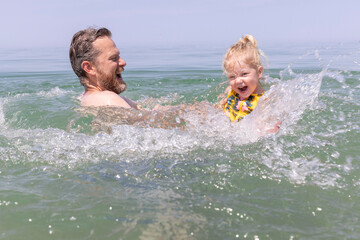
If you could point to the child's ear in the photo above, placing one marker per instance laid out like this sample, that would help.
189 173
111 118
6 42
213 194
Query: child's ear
260 71
88 67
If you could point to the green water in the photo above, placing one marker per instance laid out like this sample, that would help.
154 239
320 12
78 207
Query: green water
213 180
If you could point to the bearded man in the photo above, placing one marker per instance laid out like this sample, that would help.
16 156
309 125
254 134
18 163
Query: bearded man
96 61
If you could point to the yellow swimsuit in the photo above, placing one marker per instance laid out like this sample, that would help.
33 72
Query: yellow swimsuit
237 109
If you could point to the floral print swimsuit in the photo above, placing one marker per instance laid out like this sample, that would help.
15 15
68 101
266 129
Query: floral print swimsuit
236 109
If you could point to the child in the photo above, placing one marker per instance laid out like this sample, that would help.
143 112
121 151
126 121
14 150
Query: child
242 65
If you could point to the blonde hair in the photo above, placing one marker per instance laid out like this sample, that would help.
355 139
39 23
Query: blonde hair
245 50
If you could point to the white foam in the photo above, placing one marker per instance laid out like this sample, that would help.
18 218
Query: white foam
2 116
285 101
54 92
209 130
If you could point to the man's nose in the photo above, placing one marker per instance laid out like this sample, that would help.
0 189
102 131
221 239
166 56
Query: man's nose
122 63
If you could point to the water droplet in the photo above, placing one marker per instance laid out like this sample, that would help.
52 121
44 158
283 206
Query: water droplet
335 154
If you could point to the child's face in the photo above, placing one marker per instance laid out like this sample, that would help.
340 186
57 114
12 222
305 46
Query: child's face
244 79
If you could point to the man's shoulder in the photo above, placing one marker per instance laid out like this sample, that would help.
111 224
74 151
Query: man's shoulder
107 94
103 98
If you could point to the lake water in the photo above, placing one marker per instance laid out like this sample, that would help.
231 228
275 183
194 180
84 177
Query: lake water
61 178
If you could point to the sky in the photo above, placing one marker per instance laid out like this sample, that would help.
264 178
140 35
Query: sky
52 23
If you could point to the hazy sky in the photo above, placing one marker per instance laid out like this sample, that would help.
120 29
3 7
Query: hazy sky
52 23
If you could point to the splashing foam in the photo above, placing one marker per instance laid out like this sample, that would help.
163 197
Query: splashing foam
286 101
2 117
54 92
119 139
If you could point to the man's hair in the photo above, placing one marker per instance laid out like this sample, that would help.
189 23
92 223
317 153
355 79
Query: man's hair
81 49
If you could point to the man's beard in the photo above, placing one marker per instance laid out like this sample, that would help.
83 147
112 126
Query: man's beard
112 82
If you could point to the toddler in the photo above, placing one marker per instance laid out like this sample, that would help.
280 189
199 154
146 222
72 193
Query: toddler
242 65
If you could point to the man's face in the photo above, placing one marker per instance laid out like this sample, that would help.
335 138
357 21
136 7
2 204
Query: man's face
109 65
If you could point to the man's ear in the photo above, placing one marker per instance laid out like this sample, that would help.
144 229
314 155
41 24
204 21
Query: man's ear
88 67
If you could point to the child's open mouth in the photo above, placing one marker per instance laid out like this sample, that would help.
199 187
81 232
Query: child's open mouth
243 89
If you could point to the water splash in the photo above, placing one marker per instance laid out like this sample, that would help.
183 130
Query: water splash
205 128
199 132
285 102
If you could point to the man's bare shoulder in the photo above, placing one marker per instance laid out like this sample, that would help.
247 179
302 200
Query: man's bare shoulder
103 98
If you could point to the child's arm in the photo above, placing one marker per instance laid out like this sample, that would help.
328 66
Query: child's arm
222 98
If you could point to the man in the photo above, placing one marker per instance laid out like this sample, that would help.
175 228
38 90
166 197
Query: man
96 60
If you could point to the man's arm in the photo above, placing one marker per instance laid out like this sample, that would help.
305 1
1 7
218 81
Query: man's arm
130 102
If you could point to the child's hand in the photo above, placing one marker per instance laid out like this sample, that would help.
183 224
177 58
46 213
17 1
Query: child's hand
275 128
263 129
